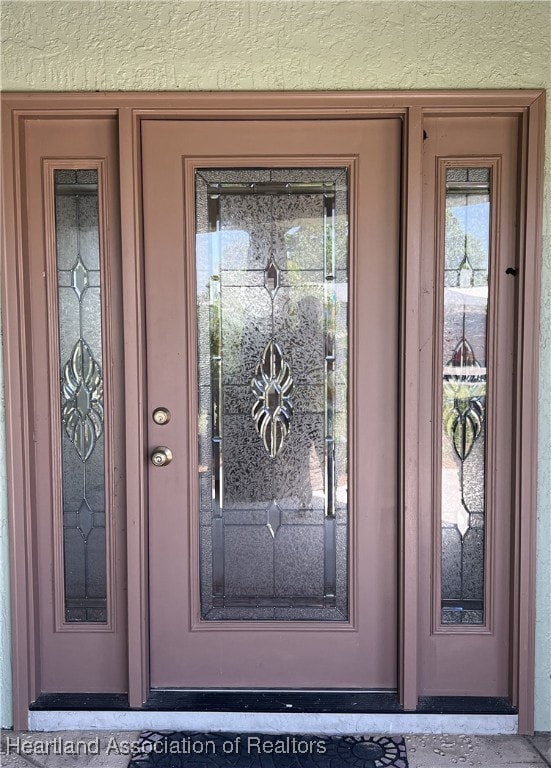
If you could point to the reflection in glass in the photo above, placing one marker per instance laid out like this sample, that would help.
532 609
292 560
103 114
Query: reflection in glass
272 294
81 382
466 278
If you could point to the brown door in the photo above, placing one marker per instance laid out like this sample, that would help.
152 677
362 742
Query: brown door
271 268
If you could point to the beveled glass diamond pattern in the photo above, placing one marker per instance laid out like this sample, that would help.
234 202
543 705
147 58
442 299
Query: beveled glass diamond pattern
273 518
271 278
79 278
85 519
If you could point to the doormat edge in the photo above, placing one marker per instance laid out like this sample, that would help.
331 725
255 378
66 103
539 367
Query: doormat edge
175 749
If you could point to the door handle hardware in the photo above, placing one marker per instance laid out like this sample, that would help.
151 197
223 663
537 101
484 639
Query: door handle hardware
161 456
161 416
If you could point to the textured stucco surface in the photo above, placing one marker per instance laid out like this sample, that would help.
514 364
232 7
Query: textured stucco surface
273 45
287 45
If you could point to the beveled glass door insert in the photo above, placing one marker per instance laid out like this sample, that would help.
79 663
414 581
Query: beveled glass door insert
81 390
466 283
272 299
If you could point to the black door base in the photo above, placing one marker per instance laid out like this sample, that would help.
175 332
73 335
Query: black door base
337 702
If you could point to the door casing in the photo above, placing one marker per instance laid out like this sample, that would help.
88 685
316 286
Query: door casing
129 110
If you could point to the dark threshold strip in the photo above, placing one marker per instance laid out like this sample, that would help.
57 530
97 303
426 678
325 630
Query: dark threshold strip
330 702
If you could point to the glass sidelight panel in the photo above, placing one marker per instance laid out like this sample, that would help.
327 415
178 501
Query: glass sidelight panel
464 376
81 391
272 298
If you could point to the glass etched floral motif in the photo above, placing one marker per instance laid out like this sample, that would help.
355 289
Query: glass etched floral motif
272 384
466 278
82 400
272 257
81 385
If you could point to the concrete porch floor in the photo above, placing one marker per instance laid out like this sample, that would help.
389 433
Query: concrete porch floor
424 751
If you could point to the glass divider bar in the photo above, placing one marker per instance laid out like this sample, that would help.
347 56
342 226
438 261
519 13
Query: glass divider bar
215 326
330 327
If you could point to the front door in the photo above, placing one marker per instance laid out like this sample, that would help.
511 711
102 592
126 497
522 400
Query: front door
272 306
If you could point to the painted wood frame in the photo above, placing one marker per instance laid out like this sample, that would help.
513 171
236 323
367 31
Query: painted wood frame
130 108
61 643
472 658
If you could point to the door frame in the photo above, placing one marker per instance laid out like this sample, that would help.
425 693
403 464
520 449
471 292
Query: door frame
129 109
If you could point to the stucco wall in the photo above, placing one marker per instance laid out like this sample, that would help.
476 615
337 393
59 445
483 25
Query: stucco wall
286 45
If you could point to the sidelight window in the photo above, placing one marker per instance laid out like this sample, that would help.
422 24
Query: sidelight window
466 277
81 394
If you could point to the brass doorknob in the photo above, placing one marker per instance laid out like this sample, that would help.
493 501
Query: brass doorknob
161 456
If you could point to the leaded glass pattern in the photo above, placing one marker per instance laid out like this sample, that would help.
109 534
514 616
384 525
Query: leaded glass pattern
81 393
272 297
464 400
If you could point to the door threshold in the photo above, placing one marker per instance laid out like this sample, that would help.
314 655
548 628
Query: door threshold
336 724
320 701
281 700
280 711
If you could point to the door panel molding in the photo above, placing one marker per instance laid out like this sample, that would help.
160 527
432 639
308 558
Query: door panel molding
130 108
133 301
410 393
492 412
107 264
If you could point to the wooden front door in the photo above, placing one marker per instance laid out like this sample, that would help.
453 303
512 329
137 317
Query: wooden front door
272 302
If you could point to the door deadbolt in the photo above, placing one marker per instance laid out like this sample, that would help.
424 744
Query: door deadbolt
161 416
161 456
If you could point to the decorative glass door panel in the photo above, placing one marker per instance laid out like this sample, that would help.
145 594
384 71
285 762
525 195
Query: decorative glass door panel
272 299
81 390
272 304
466 282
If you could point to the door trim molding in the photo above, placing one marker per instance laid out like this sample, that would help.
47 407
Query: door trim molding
130 108
191 165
